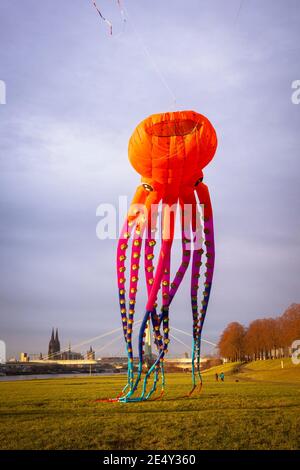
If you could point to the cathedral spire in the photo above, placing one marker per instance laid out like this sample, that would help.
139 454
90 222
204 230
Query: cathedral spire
57 343
51 348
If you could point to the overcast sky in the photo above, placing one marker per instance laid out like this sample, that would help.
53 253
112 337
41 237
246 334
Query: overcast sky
74 96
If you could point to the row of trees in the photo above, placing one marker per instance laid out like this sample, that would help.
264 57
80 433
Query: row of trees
262 339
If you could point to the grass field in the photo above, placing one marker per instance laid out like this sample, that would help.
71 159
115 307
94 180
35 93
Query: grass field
257 407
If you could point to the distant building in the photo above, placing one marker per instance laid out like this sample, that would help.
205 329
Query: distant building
183 363
12 359
90 354
70 355
54 352
36 357
24 357
54 346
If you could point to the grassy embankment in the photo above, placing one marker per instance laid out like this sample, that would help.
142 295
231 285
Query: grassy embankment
257 407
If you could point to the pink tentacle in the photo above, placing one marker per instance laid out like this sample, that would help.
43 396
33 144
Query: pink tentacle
195 277
167 240
204 198
131 219
209 242
187 222
141 224
149 268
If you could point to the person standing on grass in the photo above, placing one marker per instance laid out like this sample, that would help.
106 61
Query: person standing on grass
217 377
222 376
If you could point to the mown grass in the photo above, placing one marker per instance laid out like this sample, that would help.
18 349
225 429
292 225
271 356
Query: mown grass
272 371
241 413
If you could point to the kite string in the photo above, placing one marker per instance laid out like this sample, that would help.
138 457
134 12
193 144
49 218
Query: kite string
239 11
151 59
181 342
189 334
124 15
122 11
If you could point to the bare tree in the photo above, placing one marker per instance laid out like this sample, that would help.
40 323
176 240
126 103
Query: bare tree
264 338
231 344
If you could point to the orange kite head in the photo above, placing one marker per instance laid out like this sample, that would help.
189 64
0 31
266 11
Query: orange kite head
172 148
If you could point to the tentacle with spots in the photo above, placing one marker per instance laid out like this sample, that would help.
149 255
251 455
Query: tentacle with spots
195 275
164 256
136 219
208 231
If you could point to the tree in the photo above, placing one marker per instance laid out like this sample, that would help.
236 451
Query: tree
264 338
231 344
290 324
272 336
255 340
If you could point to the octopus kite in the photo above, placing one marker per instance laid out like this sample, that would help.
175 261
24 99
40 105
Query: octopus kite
169 151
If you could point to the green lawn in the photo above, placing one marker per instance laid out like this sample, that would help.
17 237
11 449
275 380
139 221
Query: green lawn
257 407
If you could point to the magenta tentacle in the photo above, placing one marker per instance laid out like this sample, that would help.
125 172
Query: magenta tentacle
149 267
136 219
195 275
186 222
121 268
208 230
131 219
210 255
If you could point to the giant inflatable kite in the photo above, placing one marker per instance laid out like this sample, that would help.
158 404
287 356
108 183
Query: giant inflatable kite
169 151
